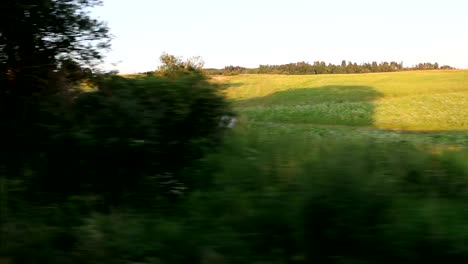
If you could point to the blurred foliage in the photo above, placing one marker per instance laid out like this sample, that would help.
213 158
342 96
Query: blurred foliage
46 49
126 136
38 39
276 200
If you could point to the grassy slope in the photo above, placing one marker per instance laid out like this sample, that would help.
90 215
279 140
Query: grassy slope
430 104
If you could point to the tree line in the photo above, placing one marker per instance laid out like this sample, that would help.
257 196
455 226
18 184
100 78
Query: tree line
320 67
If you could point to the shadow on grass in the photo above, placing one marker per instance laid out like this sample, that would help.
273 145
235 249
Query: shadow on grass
329 105
230 85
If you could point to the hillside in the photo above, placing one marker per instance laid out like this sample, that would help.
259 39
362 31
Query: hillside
432 103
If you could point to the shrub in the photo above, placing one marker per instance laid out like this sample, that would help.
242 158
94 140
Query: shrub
126 136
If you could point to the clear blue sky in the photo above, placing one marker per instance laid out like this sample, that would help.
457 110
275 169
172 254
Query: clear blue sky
253 32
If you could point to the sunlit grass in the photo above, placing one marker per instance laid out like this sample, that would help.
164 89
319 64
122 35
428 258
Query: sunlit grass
422 107
437 111
417 101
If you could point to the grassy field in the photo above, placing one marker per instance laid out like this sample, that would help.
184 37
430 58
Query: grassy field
423 106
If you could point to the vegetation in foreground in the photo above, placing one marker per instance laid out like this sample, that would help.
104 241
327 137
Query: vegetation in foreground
278 201
140 170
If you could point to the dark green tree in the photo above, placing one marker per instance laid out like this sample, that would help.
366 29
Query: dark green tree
343 63
173 66
37 36
45 46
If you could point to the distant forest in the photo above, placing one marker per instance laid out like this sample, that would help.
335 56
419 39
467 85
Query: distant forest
320 67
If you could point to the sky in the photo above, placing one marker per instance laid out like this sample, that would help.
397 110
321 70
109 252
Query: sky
252 32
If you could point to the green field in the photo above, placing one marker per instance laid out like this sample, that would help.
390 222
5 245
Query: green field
422 107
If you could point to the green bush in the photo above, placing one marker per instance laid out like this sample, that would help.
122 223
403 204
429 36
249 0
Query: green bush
129 136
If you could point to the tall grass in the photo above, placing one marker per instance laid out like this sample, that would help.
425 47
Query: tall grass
285 200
